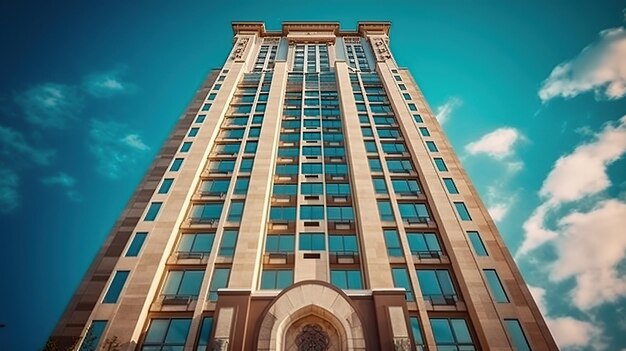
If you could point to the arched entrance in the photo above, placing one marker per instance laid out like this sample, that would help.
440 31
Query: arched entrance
311 316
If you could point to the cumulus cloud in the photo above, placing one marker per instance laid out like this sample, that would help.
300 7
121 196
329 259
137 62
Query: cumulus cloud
14 143
444 112
499 202
113 147
105 84
498 144
50 105
61 179
600 67
9 195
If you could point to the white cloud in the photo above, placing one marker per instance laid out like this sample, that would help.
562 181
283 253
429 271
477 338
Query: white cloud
62 179
514 166
499 202
583 172
590 246
50 105
599 67
497 144
113 147
444 112
9 195
105 84
498 211
535 232
14 144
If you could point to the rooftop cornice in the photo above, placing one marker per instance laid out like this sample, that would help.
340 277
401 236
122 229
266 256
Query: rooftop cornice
311 26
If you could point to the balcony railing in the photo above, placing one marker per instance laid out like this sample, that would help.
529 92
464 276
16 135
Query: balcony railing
177 300
191 255
442 300
424 254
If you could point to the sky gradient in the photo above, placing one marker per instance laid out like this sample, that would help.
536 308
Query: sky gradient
531 95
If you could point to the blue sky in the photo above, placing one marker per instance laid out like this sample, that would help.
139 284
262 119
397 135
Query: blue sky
530 93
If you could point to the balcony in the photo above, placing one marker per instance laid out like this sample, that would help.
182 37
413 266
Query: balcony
212 222
442 300
278 258
191 257
419 222
167 302
340 225
344 257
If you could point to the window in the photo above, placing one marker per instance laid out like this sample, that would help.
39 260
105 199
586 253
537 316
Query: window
379 185
206 107
229 241
310 168
402 86
406 96
394 249
441 166
288 152
375 165
424 244
495 286
93 335
401 280
227 149
176 165
405 186
166 185
183 284
153 211
282 213
416 330
418 118
311 189
214 187
342 243
393 148
254 132
212 96
477 244
424 131
166 334
219 280
206 213
246 165
346 278
516 334
250 147
449 183
276 278
196 243
451 334
367 132
235 211
222 166
116 286
311 212
311 151
283 243
432 147
241 185
436 286
384 211
340 213
186 146
462 210
204 336
412 107
193 132
336 169
311 136
136 244
338 189
414 212
287 170
285 189
399 166
388 133
312 241
200 118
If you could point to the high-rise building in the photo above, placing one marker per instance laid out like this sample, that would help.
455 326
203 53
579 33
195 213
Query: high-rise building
306 200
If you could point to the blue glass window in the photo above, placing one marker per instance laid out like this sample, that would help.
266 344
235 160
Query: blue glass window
342 243
196 243
451 334
516 334
169 334
116 286
235 211
401 280
477 243
214 187
450 186
312 241
394 248
276 278
495 286
441 166
219 280
166 185
311 212
229 242
153 211
424 131
204 337
384 211
418 118
379 185
135 246
176 164
282 213
406 186
414 212
200 118
193 132
93 336
462 210
417 333
432 147
423 244
183 284
206 213
186 146
241 185
311 189
436 286
340 213
346 278
283 243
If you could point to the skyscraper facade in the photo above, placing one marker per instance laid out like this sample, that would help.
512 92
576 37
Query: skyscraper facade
306 200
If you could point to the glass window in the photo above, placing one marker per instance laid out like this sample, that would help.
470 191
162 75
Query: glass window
401 280
286 170
93 335
219 280
423 244
212 96
206 213
436 286
176 165
311 212
288 151
405 186
516 334
166 185
116 286
370 146
367 132
282 213
432 147
285 189
393 148
254 132
406 96
394 248
222 166
186 146
185 283
338 189
206 107
229 242
375 165
399 166
340 213
273 279
153 211
346 278
342 243
196 243
495 286
311 151
385 211
417 333
462 210
166 334
241 185
283 243
477 243
193 132
412 107
450 186
337 169
227 149
414 212
418 118
379 185
312 241
250 147
424 131
311 168
136 244
311 136
441 166
200 118
311 189
235 211
246 165
451 334
214 187
204 336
